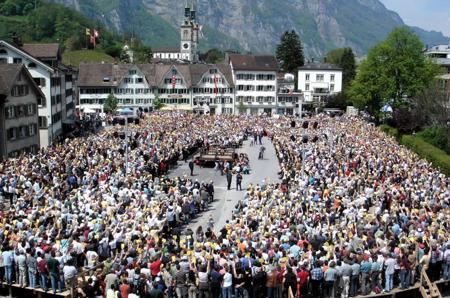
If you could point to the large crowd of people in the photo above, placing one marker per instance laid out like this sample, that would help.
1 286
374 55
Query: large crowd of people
353 213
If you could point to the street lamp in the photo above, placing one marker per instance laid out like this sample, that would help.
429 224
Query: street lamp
125 112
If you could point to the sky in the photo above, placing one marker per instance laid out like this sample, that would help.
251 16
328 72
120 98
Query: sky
427 14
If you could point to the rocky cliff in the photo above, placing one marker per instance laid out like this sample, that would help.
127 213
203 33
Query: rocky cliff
255 25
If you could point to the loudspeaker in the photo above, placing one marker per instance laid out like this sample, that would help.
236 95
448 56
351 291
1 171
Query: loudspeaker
305 124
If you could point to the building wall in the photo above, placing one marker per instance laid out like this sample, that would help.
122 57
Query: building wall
220 103
256 101
51 110
21 143
313 83
131 92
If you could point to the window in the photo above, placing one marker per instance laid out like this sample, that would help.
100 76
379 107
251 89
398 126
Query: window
260 98
40 82
42 122
319 77
332 87
139 80
56 117
24 132
21 110
3 60
133 72
3 52
10 112
259 88
128 80
332 78
31 109
19 90
41 101
307 77
307 87
17 60
11 133
213 71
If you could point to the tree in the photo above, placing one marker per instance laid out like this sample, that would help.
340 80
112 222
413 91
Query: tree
290 52
241 108
142 54
345 59
110 105
394 70
157 104
214 56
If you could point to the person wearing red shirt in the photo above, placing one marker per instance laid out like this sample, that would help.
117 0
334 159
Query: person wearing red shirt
124 289
303 276
155 267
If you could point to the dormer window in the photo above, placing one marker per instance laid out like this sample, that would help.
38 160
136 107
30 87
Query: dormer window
106 79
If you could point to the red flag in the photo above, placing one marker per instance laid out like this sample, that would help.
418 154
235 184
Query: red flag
93 40
174 81
216 90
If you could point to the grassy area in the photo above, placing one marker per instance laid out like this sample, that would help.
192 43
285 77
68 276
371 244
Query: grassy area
438 157
74 58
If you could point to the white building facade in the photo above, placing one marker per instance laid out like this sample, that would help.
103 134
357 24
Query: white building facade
201 88
255 78
50 80
441 55
317 81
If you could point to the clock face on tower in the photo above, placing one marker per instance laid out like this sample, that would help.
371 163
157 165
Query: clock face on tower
186 46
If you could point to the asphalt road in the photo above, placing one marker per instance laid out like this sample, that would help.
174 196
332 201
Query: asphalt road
225 199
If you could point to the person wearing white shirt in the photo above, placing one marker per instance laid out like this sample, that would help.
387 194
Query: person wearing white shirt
227 284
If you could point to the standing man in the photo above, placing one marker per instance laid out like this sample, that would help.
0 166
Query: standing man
53 268
229 178
239 181
389 263
191 167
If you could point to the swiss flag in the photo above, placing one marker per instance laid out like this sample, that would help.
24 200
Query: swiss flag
216 80
174 81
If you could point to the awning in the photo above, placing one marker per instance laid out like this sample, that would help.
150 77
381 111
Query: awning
176 108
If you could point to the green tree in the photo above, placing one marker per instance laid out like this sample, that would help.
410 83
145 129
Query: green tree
290 52
214 56
394 69
241 108
345 59
157 104
110 105
142 54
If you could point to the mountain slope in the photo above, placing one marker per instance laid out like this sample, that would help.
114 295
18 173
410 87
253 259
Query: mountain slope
256 25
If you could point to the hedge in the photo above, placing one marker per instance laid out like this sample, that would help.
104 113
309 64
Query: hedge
438 157
389 130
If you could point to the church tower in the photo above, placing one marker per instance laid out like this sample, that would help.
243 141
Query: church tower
189 33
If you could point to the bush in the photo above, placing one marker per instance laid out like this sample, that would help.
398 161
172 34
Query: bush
389 130
436 136
438 157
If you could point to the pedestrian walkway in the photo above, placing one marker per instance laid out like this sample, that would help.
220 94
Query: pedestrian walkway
225 200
